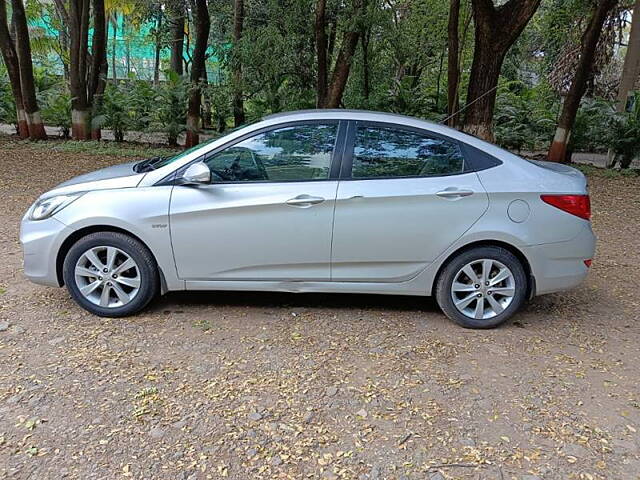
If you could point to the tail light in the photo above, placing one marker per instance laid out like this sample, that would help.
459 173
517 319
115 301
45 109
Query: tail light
578 205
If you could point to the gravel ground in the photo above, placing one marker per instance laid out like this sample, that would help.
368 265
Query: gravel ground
275 386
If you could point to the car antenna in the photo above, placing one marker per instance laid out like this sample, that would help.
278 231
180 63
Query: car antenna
468 104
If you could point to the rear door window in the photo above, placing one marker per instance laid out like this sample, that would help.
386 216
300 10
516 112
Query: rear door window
389 152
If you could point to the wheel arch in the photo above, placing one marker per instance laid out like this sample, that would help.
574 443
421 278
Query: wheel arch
531 283
83 232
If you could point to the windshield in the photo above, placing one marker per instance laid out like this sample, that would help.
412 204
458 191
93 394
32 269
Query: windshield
159 162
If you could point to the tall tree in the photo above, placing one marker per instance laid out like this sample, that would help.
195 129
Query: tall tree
496 29
453 69
27 84
631 68
342 67
10 58
78 53
99 64
87 72
590 38
198 70
238 101
157 37
176 23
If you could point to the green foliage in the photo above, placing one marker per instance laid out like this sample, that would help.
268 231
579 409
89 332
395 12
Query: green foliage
54 100
171 107
7 105
400 65
624 135
56 110
592 126
525 117
99 148
591 171
115 113
217 96
141 104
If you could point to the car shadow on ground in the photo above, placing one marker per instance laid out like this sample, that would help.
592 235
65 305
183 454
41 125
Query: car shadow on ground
404 303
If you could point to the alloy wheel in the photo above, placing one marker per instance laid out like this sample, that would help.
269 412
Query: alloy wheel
483 289
107 276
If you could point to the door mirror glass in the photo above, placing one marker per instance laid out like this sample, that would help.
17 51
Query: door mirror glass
196 174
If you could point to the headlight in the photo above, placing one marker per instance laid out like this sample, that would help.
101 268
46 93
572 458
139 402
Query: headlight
46 207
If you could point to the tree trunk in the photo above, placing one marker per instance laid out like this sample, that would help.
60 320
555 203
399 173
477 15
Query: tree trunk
453 69
496 30
114 22
321 52
127 47
590 38
198 70
96 133
484 78
78 67
341 70
99 66
206 99
156 61
238 102
27 84
631 68
10 58
177 37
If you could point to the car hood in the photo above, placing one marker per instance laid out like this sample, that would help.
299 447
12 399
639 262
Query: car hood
115 171
116 176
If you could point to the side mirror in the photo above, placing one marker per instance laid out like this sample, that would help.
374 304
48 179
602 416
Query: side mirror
196 174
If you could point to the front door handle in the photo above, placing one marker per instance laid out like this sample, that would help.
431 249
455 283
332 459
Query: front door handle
304 201
454 193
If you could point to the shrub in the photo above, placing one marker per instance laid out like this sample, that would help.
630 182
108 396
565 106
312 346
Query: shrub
171 107
524 117
624 135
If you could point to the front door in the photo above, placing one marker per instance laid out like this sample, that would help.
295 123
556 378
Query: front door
268 212
404 198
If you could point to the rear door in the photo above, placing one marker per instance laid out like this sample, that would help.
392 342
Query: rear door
404 196
268 213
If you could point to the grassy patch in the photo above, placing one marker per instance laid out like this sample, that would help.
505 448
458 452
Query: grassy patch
98 148
592 171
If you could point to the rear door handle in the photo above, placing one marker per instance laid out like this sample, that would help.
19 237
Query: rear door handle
304 201
454 193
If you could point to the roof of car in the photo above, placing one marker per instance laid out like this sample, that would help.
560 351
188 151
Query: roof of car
340 112
362 115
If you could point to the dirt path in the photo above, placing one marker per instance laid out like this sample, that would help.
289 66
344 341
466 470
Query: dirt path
239 385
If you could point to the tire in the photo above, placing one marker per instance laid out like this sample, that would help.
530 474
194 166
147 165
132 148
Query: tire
139 283
489 315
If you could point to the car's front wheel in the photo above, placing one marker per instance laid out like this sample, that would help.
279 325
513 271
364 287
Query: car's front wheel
482 287
111 274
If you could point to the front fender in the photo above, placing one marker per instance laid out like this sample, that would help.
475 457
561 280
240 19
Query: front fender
143 212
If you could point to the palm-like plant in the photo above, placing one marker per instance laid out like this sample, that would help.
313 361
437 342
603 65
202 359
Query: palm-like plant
624 136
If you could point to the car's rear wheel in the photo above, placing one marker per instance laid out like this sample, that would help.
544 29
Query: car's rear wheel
111 274
482 287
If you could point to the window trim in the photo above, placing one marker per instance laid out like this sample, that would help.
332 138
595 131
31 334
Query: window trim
347 158
334 166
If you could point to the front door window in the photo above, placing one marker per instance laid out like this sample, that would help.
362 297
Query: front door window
295 153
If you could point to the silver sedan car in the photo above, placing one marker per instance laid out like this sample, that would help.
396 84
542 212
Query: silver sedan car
319 201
